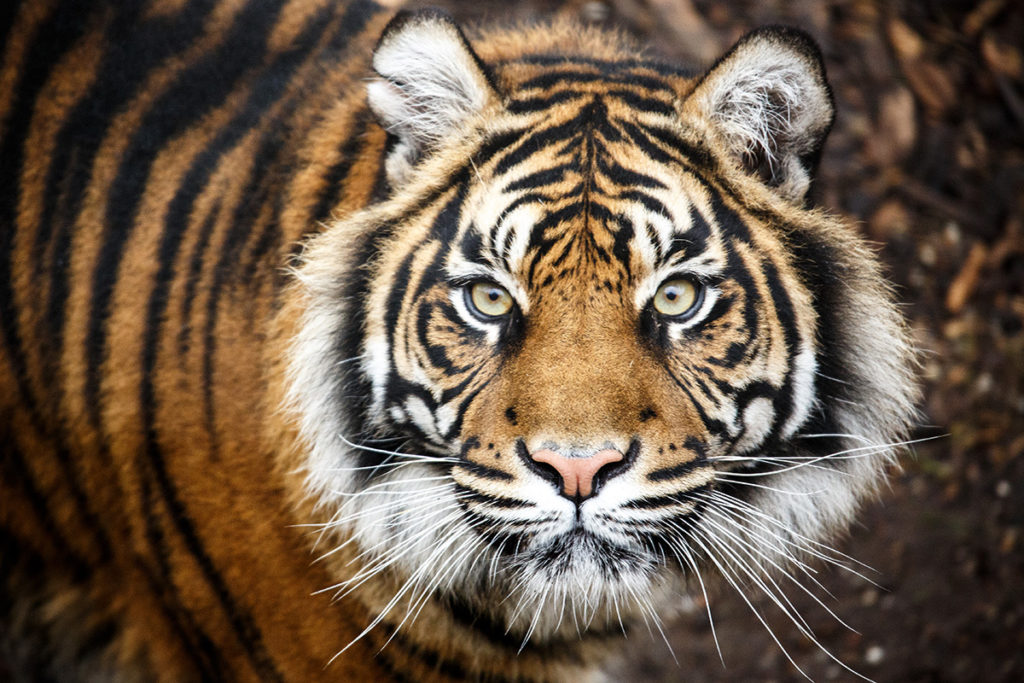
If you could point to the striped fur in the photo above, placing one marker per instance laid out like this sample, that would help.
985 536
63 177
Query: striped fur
235 331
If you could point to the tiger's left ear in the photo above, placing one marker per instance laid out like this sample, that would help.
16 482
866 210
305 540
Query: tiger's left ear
769 101
431 83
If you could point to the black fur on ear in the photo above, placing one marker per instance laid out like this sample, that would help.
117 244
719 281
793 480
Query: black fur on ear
769 100
431 81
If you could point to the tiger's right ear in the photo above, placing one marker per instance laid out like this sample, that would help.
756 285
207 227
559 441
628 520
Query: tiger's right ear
770 103
431 82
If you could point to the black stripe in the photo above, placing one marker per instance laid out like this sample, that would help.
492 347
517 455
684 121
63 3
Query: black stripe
786 315
195 267
241 621
639 137
500 143
536 142
525 105
638 102
456 426
553 78
205 655
62 31
437 354
621 175
697 155
16 472
466 495
676 471
484 472
604 64
443 229
712 425
541 178
826 275
57 36
732 227
695 240
620 249
670 501
335 177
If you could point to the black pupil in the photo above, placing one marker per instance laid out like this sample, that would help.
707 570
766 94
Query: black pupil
493 295
671 294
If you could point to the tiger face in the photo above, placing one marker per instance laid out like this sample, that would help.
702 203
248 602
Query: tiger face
594 343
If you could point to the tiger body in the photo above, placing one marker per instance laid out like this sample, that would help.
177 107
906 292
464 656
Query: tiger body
239 326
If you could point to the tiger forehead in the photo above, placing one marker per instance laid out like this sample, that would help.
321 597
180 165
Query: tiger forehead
584 212
585 200
573 194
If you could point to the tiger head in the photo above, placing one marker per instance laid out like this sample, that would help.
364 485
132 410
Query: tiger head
593 341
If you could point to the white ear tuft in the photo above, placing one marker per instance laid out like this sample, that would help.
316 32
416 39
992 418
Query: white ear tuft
431 83
768 98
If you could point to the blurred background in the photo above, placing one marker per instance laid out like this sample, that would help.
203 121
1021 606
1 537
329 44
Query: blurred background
927 157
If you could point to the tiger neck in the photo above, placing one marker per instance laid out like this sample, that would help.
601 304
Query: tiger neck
442 640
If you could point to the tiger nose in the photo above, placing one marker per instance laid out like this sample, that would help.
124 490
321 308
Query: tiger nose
577 474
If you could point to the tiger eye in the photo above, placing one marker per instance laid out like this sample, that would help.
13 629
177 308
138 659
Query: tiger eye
490 300
675 297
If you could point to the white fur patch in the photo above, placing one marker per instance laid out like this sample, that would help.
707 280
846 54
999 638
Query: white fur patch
431 84
768 100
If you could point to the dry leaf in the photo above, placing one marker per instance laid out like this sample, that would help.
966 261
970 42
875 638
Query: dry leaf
966 281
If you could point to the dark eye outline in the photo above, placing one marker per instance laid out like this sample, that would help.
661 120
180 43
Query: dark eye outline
467 297
700 290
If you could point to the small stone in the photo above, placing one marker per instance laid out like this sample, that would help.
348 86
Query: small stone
874 655
891 219
927 255
595 11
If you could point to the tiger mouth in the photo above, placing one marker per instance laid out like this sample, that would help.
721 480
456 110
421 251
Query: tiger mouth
602 545
581 546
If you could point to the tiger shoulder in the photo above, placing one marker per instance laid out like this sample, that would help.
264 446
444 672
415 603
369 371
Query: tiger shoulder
341 345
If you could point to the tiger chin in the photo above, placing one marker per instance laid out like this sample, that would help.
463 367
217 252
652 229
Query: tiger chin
500 352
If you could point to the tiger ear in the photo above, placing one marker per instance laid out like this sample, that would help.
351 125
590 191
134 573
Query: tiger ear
431 82
770 102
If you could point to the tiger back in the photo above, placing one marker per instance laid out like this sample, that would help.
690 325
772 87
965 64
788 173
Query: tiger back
461 371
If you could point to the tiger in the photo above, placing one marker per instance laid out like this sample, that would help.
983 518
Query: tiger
340 344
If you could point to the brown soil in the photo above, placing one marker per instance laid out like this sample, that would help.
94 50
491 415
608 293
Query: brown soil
927 155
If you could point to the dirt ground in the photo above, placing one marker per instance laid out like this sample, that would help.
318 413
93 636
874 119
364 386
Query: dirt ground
927 156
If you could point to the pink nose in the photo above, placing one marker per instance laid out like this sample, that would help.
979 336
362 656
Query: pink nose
577 473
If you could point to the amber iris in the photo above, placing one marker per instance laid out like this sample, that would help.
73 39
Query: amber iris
676 297
490 300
